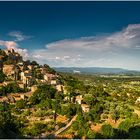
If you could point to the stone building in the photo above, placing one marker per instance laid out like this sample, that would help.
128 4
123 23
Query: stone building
8 70
26 77
85 107
59 88
79 99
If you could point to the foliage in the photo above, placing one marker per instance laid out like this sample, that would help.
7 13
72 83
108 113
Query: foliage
107 130
125 125
45 104
90 134
37 129
68 109
12 88
9 125
49 70
39 76
2 76
42 113
21 104
42 93
134 132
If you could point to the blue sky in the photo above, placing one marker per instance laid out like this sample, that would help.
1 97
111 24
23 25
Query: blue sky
100 34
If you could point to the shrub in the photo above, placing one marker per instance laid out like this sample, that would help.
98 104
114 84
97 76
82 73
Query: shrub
107 130
125 125
21 104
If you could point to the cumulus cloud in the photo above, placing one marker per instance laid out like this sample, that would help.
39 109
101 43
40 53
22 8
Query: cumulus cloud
19 35
13 45
8 44
118 49
23 52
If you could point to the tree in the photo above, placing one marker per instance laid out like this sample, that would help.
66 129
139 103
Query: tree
12 88
9 125
21 104
89 99
134 133
37 129
2 76
2 91
68 109
90 134
42 93
34 63
45 104
125 125
115 115
107 130
50 70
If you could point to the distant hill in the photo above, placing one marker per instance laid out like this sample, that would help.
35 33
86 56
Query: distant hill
95 70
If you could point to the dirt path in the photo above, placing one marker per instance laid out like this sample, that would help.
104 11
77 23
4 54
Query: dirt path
64 128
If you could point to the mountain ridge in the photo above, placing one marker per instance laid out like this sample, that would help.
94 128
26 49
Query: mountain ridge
97 70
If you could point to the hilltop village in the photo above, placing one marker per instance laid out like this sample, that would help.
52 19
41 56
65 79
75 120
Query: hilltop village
26 74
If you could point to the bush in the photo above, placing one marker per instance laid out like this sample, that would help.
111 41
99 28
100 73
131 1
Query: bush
42 93
2 76
37 129
90 134
45 104
42 113
68 109
107 130
60 124
50 126
125 125
26 113
12 88
21 104
134 133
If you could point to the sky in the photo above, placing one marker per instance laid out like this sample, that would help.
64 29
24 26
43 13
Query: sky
73 34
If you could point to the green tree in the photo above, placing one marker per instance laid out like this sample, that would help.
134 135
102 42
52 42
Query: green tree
107 130
37 129
9 125
13 88
134 133
21 104
2 76
90 134
50 70
125 125
42 93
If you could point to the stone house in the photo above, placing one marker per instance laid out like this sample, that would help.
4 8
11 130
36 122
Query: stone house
59 88
33 88
49 77
138 100
79 99
26 77
53 82
30 67
21 85
85 107
8 70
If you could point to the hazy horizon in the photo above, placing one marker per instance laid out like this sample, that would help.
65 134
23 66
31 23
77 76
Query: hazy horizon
98 67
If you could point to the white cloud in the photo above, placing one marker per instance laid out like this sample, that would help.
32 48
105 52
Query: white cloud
23 52
19 35
119 49
8 44
13 45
